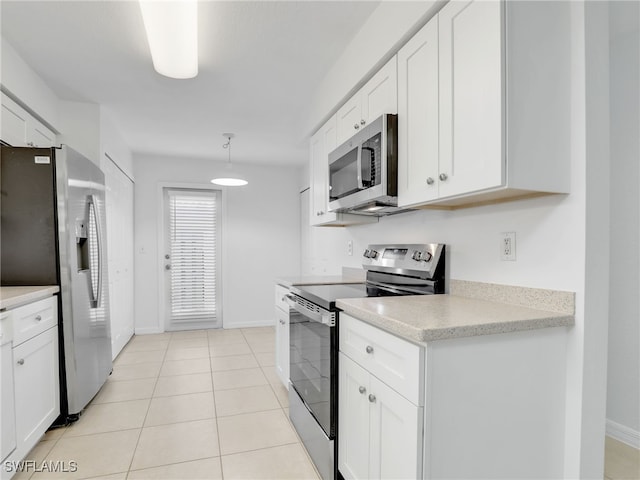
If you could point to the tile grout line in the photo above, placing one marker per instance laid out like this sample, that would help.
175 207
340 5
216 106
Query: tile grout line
215 409
147 413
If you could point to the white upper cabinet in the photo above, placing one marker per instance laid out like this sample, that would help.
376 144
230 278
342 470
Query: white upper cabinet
478 118
320 145
20 129
379 95
418 128
470 70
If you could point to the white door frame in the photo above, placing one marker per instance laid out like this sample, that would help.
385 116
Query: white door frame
160 210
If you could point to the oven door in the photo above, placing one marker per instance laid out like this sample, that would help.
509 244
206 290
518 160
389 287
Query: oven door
313 366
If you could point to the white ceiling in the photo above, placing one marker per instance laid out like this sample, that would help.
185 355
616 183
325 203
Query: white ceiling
260 62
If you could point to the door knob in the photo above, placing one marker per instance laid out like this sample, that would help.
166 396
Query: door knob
362 390
167 256
430 181
167 267
372 398
362 122
21 361
38 318
443 176
369 349
356 126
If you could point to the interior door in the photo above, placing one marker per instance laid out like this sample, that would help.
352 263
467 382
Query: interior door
191 260
119 212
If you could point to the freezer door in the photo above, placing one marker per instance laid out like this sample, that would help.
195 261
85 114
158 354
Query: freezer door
27 217
85 313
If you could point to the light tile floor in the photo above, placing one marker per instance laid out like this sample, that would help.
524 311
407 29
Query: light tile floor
185 405
621 462
202 405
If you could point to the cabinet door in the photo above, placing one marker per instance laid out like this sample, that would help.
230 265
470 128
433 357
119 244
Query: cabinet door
471 100
13 122
380 94
36 387
319 182
418 117
7 405
38 135
282 346
395 436
348 119
353 420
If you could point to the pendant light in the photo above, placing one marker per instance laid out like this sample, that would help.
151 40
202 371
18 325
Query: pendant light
229 178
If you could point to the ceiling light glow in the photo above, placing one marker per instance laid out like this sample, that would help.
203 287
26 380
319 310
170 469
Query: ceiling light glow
172 32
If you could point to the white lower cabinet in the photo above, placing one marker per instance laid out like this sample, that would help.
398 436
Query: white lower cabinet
282 335
36 387
379 431
30 391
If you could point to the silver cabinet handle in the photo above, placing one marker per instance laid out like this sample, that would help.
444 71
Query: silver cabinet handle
362 390
430 181
21 361
372 398
369 349
167 267
443 176
38 318
356 126
362 122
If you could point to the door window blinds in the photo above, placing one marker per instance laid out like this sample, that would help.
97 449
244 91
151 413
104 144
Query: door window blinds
193 218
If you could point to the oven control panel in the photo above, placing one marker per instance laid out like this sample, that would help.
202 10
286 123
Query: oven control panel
422 258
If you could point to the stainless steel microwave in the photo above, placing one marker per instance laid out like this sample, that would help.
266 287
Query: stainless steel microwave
363 171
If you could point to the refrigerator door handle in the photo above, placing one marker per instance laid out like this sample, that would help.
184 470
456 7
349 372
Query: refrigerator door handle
93 210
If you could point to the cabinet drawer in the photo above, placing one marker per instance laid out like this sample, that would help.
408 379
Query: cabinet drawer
33 319
398 363
280 293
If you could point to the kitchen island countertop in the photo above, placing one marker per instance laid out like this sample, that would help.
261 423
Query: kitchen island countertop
11 297
426 318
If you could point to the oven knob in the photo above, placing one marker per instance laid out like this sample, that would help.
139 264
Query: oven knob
426 256
373 254
366 253
416 256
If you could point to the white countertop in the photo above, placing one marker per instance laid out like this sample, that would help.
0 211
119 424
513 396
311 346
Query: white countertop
426 318
11 297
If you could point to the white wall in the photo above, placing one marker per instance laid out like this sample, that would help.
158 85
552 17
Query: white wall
623 399
80 128
21 83
113 144
260 237
561 243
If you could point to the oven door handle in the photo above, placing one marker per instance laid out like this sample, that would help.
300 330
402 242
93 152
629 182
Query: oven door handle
325 318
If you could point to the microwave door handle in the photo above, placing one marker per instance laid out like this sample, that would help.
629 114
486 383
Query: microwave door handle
359 167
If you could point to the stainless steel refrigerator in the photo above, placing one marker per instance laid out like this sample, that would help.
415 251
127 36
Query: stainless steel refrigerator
52 232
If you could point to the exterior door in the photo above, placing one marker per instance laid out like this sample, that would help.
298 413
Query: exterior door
191 259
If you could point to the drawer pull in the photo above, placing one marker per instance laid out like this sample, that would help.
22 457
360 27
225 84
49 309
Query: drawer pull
21 361
362 390
369 349
38 318
372 398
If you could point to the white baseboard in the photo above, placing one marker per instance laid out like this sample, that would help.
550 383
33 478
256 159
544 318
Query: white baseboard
147 330
623 434
268 323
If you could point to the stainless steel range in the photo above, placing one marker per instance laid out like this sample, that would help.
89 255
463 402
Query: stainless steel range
406 269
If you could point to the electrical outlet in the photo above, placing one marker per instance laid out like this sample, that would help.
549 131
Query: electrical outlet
508 246
350 248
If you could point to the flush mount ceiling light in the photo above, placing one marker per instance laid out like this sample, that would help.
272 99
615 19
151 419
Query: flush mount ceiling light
229 178
172 32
